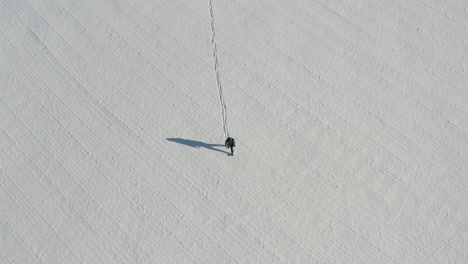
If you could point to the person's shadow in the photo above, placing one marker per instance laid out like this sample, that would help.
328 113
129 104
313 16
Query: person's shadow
197 144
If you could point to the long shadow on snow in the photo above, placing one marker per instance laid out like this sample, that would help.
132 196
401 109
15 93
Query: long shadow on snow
197 144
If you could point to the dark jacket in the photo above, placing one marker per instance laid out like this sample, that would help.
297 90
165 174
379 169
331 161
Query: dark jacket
230 142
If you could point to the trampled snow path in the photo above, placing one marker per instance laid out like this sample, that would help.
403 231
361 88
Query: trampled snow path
351 119
216 68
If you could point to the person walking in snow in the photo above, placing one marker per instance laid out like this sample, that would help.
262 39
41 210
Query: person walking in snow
230 143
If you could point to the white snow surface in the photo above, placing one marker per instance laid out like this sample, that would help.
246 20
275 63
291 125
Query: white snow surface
350 118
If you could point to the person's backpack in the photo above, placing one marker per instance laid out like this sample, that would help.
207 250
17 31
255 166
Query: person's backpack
230 143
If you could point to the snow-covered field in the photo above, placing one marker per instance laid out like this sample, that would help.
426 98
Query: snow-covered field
350 118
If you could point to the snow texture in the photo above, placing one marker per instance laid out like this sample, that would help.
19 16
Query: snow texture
351 122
